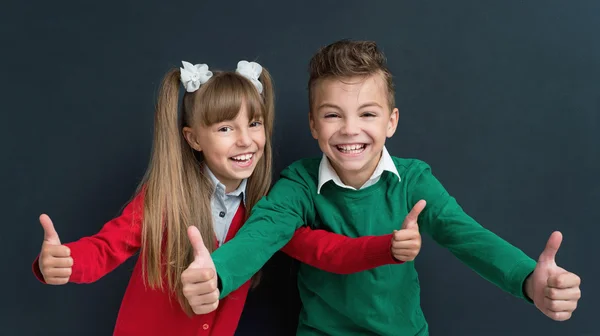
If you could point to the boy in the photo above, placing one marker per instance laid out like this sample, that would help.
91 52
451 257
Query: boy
358 189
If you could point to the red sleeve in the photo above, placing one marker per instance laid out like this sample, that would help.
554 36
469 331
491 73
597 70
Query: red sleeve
336 253
97 255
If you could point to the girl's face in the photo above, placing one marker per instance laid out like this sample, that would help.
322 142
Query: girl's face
231 148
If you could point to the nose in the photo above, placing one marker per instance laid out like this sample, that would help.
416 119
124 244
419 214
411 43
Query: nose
244 139
350 127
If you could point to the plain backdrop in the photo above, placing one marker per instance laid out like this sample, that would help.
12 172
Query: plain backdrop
501 98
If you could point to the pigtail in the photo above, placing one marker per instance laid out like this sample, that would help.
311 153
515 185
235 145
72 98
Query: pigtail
164 169
172 195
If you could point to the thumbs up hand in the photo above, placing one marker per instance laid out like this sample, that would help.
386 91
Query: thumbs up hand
406 242
554 290
200 278
55 260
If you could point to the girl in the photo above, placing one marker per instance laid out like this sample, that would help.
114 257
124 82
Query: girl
208 168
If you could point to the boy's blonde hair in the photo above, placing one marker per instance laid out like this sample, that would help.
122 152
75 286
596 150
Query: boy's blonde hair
344 59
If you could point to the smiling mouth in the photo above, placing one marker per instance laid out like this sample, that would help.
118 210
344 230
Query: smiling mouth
351 149
242 157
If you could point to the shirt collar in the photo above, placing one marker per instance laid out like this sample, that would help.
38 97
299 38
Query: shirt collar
220 187
327 173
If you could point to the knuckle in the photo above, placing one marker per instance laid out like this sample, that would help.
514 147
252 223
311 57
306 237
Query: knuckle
185 277
45 263
214 306
206 274
212 286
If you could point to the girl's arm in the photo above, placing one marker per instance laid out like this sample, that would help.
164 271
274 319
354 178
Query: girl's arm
336 253
97 255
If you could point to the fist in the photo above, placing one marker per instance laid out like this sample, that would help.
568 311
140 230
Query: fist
55 260
554 290
199 280
406 242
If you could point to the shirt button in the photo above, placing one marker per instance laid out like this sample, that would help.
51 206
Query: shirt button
222 214
205 326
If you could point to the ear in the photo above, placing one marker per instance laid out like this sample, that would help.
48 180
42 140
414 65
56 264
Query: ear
191 138
311 123
392 123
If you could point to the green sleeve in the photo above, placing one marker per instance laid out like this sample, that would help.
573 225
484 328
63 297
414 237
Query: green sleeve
271 225
484 252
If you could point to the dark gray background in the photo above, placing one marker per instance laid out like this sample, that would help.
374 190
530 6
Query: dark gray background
502 98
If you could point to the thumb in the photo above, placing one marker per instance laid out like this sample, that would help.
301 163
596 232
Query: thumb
552 246
410 222
50 235
200 251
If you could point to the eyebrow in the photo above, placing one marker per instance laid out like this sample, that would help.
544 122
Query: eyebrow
328 105
369 104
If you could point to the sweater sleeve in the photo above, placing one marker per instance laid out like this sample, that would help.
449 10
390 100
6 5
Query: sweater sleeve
484 252
97 255
271 225
336 253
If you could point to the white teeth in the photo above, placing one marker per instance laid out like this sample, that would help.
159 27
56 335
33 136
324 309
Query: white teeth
243 157
351 148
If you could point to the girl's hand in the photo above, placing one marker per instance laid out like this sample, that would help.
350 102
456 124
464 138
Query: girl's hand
200 278
406 242
55 260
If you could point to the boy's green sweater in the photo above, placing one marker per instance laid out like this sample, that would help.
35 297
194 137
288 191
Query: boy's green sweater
380 301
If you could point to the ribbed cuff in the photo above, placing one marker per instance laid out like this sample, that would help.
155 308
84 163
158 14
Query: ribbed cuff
223 282
78 269
35 267
518 275
379 251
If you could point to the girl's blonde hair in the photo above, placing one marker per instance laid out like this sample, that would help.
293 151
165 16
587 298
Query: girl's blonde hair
175 189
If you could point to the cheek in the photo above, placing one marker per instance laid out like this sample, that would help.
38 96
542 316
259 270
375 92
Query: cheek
377 132
260 139
325 130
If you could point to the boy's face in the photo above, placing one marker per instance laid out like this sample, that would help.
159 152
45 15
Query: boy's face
351 119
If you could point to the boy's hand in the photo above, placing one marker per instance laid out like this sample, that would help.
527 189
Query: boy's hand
55 260
554 290
406 242
200 278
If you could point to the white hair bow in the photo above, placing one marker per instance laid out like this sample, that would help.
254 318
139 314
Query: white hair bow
252 71
192 76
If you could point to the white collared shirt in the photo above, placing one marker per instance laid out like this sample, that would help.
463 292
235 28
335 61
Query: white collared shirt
224 205
327 173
